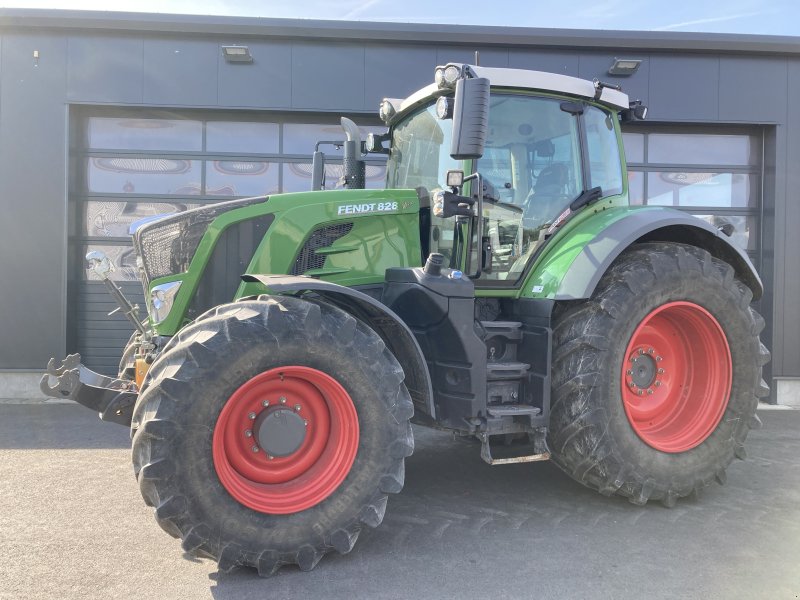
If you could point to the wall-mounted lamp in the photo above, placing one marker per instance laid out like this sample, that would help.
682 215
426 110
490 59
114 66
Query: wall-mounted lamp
624 66
239 54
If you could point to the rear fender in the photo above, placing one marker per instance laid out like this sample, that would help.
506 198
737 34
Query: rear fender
572 271
385 322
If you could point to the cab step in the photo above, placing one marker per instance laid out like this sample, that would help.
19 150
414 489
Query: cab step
513 410
506 370
486 454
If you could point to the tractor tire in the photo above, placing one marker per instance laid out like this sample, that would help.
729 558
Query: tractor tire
269 431
656 378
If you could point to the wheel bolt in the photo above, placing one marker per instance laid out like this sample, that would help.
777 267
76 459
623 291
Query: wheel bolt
297 407
305 422
658 358
640 392
661 371
248 433
254 448
641 351
651 351
629 372
658 383
270 457
649 392
252 416
632 384
265 403
282 399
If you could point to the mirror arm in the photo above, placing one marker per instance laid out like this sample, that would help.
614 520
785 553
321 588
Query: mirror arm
478 223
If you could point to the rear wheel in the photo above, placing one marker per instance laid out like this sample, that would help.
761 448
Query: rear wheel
656 378
269 432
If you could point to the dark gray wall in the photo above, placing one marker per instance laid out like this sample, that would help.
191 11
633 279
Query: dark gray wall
786 346
312 66
33 175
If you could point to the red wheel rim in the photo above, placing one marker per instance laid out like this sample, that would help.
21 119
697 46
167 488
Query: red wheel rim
676 377
308 408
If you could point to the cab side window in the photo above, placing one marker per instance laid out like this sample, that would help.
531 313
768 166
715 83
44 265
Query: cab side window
605 169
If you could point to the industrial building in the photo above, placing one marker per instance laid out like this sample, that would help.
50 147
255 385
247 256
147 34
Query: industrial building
106 118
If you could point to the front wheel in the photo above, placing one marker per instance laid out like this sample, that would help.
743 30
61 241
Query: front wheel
270 431
656 378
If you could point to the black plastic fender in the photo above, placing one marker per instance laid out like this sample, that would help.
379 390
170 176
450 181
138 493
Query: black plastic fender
386 323
652 226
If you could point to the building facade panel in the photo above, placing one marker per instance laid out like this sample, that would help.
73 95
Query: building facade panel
328 76
752 89
488 57
786 270
395 71
684 87
564 63
595 66
180 72
33 175
266 82
94 61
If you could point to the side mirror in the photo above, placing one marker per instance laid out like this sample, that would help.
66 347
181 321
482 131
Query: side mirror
447 204
317 171
100 264
470 118
374 143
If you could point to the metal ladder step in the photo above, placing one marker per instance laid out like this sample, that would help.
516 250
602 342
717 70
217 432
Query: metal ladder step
513 410
486 455
511 330
506 370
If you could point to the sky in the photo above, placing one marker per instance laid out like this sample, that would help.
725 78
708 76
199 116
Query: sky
778 17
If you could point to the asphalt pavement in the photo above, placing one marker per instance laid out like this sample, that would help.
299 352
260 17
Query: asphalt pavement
73 525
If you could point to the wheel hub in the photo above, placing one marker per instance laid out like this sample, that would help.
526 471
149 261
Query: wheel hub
644 371
279 431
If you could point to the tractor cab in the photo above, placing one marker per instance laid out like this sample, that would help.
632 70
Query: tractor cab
536 154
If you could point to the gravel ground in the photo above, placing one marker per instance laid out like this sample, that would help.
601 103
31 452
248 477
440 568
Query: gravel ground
74 526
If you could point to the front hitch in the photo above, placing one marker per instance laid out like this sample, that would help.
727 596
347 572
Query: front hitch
113 399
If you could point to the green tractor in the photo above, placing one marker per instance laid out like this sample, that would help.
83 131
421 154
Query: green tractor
500 287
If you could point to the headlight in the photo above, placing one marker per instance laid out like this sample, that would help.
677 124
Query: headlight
438 77
162 297
444 108
438 203
447 76
451 75
386 111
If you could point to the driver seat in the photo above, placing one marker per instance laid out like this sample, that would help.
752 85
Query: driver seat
549 194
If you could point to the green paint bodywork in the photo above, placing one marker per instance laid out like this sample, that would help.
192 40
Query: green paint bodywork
552 265
378 240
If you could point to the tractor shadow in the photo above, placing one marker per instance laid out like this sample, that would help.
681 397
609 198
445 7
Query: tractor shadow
453 509
462 528
57 427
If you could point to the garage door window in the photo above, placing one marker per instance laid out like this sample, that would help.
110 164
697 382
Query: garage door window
715 175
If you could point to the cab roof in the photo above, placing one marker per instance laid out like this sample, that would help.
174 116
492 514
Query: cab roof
525 80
